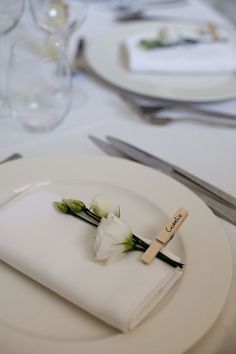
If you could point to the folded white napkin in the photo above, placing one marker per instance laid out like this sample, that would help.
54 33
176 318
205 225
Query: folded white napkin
56 250
216 57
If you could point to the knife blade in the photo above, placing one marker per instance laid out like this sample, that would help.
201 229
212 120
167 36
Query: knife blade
108 149
219 207
11 157
175 171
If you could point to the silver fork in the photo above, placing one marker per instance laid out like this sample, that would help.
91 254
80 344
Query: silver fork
128 12
157 113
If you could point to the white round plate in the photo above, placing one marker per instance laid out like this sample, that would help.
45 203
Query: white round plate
35 320
105 57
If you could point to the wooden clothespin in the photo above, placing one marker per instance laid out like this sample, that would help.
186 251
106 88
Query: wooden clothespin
165 235
213 30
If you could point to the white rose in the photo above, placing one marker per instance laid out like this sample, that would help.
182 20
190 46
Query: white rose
113 239
101 205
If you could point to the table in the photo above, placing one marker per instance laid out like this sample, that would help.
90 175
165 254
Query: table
210 150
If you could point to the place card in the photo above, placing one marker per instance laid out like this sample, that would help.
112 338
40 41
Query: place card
165 235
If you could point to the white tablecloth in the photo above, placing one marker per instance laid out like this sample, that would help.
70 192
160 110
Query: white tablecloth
206 151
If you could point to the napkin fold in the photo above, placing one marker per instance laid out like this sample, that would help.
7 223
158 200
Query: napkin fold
55 250
207 57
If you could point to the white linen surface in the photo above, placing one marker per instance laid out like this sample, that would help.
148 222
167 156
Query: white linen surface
194 58
105 114
56 250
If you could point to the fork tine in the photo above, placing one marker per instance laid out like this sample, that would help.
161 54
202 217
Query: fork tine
152 112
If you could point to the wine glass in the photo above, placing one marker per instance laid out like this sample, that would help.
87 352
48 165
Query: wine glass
10 14
59 18
38 85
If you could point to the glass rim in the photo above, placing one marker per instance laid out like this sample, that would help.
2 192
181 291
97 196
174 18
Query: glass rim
65 30
17 18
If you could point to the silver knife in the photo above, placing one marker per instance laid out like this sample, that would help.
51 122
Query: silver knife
106 147
11 157
153 161
221 203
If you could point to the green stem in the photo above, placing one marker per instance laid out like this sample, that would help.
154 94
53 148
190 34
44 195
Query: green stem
142 245
81 218
92 215
139 245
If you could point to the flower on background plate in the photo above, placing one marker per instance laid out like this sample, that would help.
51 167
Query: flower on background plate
101 205
113 239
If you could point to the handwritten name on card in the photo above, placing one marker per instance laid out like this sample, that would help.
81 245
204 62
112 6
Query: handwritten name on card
165 235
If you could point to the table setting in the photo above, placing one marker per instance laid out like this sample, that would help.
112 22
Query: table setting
118 194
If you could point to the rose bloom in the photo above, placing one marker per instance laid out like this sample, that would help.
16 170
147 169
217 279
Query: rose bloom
113 239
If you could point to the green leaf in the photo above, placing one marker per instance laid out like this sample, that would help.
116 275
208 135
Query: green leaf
129 244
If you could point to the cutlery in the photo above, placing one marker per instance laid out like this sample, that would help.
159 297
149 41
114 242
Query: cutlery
141 16
221 203
154 112
107 148
129 12
11 157
128 15
79 63
129 7
153 161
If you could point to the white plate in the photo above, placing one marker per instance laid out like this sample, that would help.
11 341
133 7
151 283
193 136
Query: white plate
105 58
32 317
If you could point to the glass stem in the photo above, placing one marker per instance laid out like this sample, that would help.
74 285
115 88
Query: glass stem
55 44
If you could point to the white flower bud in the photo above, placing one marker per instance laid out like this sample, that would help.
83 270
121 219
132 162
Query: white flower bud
101 205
